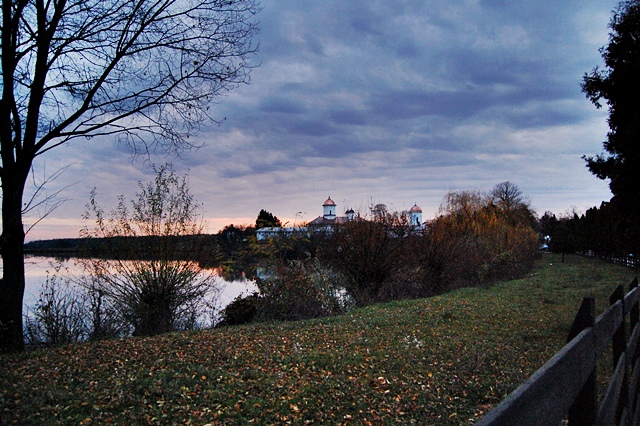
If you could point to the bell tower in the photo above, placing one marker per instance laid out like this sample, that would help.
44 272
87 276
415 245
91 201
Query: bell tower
415 215
329 209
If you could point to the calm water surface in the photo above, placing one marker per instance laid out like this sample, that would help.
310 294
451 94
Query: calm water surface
36 269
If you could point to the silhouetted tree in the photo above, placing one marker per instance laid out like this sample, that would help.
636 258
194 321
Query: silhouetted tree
619 86
567 235
146 71
603 231
507 196
512 203
547 226
266 219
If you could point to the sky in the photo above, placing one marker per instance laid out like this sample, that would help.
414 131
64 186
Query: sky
380 101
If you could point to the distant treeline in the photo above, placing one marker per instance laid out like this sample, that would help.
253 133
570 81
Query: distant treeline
228 246
604 231
94 246
69 246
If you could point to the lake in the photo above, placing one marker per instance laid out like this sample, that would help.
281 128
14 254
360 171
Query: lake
36 268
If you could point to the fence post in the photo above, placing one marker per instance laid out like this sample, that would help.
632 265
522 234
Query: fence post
634 314
634 319
584 408
619 345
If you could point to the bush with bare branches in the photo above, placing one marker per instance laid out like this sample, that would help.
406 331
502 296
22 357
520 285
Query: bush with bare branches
148 272
59 316
371 253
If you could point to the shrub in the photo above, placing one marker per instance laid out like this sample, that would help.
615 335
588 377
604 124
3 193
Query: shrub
370 253
148 270
60 315
105 319
242 310
301 290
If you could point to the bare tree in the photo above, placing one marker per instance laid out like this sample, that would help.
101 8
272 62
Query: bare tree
513 203
146 71
369 252
41 202
508 196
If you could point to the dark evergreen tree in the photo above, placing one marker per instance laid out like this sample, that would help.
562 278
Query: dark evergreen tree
619 86
266 219
547 223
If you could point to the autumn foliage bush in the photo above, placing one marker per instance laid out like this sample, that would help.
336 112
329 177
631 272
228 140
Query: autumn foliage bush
370 254
301 290
477 238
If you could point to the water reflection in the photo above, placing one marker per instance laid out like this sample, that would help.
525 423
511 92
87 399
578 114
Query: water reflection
37 267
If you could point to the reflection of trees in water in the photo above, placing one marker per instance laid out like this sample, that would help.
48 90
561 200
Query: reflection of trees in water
147 267
67 296
228 250
154 296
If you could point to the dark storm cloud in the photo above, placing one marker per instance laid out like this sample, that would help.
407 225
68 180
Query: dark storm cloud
371 74
282 105
406 105
350 117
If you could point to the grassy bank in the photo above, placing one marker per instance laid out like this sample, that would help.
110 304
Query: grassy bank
443 360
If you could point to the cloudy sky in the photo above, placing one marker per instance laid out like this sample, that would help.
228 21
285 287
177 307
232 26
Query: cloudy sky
382 101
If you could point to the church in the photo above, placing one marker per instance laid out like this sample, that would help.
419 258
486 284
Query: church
328 221
329 218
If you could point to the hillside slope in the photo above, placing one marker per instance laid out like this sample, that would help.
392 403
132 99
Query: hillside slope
443 360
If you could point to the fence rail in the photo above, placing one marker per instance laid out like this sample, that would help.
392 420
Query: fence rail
566 387
630 260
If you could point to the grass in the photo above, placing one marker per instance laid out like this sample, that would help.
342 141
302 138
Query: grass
442 360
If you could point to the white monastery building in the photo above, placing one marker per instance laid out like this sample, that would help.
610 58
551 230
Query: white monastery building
329 218
328 221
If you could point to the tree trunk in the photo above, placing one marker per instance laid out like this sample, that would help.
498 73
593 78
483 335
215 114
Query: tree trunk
12 248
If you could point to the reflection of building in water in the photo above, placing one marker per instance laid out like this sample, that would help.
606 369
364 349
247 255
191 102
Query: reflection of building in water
328 221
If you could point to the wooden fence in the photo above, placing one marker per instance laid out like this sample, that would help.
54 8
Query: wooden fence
565 388
629 261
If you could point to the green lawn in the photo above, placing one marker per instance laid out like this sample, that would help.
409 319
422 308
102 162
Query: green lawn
443 360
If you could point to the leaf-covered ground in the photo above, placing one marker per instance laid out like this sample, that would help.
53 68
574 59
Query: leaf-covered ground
443 360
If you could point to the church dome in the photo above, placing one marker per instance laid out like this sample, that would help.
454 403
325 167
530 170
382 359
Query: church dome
329 202
415 209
